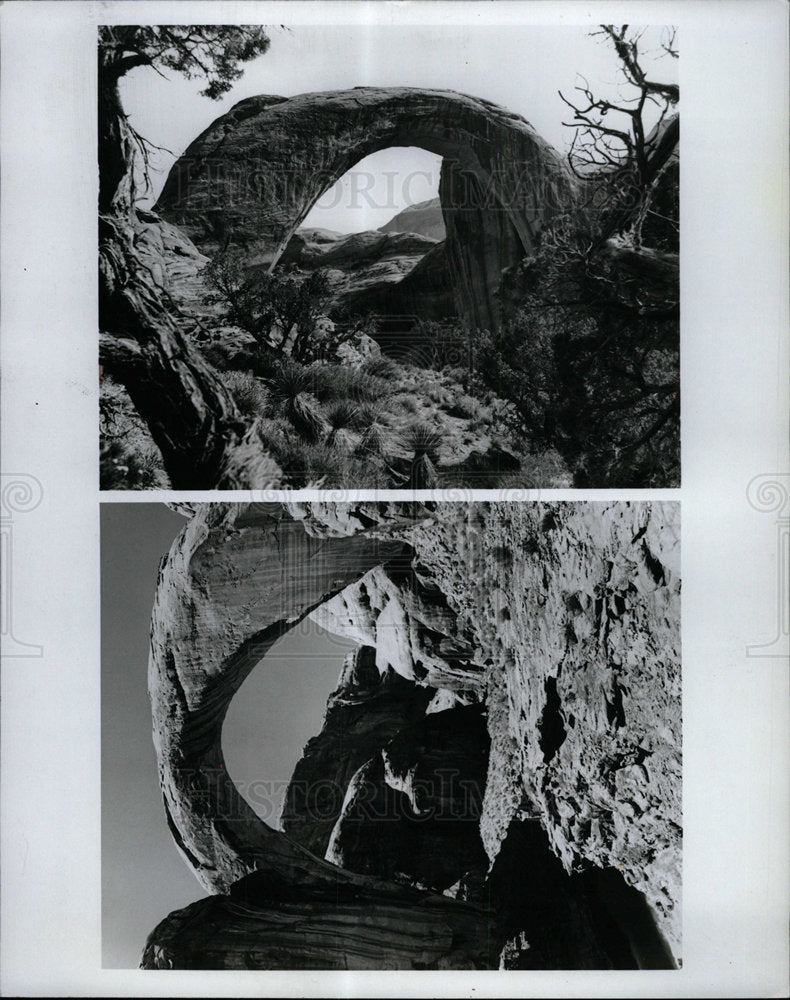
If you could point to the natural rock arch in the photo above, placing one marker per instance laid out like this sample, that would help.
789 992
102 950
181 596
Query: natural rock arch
254 174
266 570
607 801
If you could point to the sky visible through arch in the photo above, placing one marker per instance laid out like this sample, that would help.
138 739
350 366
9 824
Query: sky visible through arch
520 67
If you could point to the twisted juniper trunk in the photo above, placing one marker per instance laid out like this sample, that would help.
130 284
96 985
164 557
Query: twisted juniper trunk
116 143
205 441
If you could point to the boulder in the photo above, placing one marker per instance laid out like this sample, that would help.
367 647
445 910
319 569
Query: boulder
425 218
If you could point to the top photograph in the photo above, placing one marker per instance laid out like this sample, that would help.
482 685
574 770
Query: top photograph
388 257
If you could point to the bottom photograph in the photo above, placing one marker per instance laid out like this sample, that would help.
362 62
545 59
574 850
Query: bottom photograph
441 735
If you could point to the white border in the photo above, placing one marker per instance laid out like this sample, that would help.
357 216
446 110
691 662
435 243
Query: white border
734 194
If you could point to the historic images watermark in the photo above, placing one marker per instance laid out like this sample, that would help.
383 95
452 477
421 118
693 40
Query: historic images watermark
441 794
770 494
19 494
514 187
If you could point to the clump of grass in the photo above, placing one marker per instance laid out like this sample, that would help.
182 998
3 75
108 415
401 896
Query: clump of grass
423 442
250 395
408 403
465 407
342 417
381 367
274 433
371 421
289 381
372 441
336 382
437 394
420 439
290 389
321 466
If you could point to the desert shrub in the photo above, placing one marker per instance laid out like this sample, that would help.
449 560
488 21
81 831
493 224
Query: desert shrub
407 403
465 407
437 345
336 383
421 439
290 396
599 384
319 465
281 309
372 441
274 432
342 417
250 395
130 468
588 352
372 421
423 442
380 368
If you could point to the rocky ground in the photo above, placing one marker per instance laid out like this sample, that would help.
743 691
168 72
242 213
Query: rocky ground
477 438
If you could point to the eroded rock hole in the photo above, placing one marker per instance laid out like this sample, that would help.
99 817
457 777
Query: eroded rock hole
280 707
551 726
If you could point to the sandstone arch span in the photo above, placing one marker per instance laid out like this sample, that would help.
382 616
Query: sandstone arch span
581 633
254 174
236 578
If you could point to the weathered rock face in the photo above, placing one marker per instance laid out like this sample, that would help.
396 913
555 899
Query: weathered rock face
384 788
587 920
412 811
409 624
425 218
557 624
575 607
235 579
261 925
424 293
209 629
255 173
364 713
367 270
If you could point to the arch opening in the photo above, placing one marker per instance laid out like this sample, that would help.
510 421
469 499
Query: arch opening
279 707
371 232
410 234
376 190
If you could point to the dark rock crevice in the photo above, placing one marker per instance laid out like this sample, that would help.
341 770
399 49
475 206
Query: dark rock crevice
553 920
551 726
